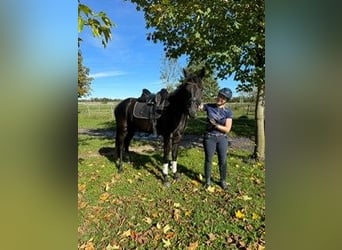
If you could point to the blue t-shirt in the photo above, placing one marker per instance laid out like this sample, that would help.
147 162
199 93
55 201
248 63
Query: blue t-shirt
220 115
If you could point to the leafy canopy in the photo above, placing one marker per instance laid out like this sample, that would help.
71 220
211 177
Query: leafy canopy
99 23
84 80
227 34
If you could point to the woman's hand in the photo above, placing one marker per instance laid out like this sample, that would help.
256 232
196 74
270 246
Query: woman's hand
213 122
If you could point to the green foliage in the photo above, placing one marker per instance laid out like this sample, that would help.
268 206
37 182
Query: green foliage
84 80
100 26
99 23
228 35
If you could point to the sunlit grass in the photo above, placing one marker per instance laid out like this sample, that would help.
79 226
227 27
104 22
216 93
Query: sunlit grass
134 210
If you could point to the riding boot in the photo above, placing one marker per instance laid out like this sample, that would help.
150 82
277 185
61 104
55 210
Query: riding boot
207 175
223 174
207 183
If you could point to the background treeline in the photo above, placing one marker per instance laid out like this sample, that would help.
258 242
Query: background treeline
105 99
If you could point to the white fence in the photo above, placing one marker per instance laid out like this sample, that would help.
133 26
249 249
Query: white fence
104 109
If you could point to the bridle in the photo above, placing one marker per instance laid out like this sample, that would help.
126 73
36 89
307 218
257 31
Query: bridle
193 100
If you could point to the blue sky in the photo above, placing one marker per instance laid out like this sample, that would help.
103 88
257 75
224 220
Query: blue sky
130 62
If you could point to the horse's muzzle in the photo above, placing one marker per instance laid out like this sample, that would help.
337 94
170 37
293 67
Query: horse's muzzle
192 113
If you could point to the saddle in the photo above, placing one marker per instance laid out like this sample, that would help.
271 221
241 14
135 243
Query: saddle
150 106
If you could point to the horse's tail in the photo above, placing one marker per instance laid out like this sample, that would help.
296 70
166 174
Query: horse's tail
122 118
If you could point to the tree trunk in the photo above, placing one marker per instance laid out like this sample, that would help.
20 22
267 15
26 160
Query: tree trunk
259 148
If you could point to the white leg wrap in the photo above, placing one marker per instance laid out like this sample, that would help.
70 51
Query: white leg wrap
174 166
166 168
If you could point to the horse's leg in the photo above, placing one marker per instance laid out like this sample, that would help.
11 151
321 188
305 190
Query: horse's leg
119 144
127 141
175 143
167 146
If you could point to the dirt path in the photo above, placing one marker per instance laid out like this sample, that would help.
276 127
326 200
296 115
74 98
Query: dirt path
153 143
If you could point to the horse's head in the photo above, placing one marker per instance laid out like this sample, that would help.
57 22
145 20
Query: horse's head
193 85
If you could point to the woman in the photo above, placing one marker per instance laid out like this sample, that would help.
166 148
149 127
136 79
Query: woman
219 120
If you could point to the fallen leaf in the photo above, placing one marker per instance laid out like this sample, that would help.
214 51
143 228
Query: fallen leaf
211 189
246 198
211 236
82 204
193 246
170 235
260 247
148 220
126 233
81 188
89 246
166 243
176 214
110 247
195 183
242 244
257 181
176 204
200 177
239 214
255 216
104 196
166 228
230 239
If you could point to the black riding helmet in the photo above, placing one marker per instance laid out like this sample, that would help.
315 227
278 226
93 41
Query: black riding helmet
226 92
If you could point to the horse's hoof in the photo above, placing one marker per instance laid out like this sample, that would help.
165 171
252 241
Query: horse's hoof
167 184
120 170
176 176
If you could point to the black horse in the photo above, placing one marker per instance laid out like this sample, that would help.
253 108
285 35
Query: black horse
182 102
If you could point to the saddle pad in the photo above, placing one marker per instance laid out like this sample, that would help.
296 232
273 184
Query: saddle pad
141 110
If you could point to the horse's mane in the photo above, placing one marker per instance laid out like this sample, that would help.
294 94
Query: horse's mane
190 78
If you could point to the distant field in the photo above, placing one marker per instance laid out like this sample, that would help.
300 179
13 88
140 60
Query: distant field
101 115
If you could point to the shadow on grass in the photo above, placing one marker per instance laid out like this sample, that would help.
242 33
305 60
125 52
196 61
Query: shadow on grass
151 163
244 127
85 141
246 158
189 173
137 160
109 125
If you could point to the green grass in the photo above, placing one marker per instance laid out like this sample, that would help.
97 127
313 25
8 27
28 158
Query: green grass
134 210
96 115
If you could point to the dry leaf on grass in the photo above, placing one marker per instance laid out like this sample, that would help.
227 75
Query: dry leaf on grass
166 243
193 246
